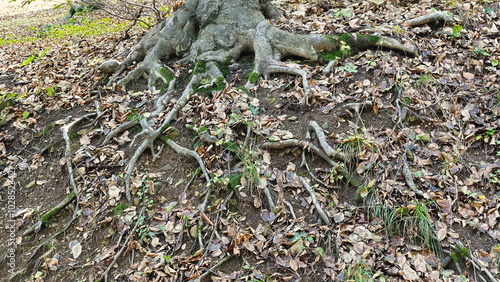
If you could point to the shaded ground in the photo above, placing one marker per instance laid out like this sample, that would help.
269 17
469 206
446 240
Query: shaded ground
449 137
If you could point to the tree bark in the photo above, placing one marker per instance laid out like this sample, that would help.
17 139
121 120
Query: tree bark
213 32
222 30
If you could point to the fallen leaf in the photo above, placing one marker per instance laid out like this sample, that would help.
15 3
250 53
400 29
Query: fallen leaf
76 248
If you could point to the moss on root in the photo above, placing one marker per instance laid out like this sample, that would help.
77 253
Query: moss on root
217 84
253 77
46 217
349 44
359 41
200 67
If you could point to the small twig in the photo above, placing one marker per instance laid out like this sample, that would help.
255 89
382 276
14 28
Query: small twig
267 192
290 207
125 245
322 214
198 279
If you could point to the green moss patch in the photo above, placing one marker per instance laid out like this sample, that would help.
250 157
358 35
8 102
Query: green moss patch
208 85
253 77
19 33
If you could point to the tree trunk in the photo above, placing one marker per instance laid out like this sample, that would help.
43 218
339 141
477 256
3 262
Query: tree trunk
210 32
207 31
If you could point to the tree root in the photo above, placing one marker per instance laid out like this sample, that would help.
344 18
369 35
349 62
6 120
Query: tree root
408 175
152 134
304 163
320 134
306 145
314 199
443 17
290 207
186 152
473 261
269 198
331 64
74 194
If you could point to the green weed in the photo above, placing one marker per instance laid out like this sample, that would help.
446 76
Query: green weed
456 31
208 85
120 208
412 221
487 135
361 271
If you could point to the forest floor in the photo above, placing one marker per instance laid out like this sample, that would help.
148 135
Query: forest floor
11 8
421 134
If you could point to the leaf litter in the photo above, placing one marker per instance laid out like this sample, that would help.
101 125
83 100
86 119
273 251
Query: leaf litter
422 134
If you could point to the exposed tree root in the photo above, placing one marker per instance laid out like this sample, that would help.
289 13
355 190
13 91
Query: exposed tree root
209 33
408 175
186 152
330 152
304 163
150 134
329 67
314 199
305 145
442 17
205 31
290 207
472 260
73 195
269 198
